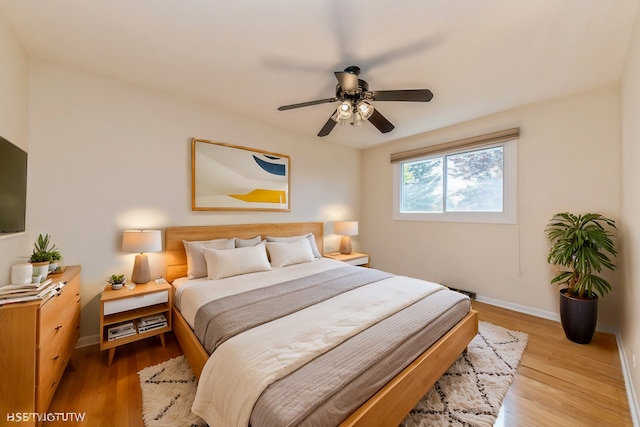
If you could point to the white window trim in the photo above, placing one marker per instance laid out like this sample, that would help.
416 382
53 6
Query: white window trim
510 179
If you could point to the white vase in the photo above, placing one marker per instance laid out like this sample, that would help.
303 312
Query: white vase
41 269
21 274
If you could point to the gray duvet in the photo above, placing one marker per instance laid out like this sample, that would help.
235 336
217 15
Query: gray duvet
327 390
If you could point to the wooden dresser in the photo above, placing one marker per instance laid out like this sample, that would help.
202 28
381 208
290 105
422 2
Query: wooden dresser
38 339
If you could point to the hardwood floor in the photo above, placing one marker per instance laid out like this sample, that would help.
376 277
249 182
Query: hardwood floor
110 396
557 383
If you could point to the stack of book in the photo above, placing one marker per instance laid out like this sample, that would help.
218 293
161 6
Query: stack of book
150 323
31 292
121 330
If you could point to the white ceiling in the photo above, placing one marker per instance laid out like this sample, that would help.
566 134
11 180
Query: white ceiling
248 57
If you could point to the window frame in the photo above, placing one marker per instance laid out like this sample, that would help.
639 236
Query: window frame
509 189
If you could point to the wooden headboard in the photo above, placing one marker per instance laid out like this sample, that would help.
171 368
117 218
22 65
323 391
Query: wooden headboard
176 258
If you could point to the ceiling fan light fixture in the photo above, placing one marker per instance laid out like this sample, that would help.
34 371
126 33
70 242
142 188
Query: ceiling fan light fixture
365 109
355 102
357 119
344 110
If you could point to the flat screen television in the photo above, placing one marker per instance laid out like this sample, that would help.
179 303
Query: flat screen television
13 188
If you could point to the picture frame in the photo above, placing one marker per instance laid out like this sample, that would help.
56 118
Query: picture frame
227 177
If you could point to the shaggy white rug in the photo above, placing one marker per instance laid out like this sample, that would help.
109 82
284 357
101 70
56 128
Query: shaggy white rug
168 390
470 393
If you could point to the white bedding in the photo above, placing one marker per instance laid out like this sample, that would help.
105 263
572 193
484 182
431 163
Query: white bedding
242 367
193 293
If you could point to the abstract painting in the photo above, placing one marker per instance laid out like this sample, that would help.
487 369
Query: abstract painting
229 177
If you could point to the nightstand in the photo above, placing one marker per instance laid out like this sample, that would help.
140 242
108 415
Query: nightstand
128 315
354 258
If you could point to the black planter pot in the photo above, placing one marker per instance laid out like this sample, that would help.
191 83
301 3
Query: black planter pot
579 317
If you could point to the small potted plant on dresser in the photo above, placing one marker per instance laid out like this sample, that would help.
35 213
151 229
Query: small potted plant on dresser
581 245
42 256
56 259
117 281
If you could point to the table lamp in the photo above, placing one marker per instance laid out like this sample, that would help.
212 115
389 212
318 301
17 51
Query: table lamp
346 229
141 241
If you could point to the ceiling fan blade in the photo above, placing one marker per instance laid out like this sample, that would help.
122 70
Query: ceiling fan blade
413 95
307 104
381 122
327 128
348 81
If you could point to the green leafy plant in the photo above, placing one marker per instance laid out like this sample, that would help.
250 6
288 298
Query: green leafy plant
40 257
56 255
582 244
116 278
43 249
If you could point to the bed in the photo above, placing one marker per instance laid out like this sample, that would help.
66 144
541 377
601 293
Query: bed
385 402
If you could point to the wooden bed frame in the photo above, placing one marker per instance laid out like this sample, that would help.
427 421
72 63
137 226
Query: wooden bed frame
389 405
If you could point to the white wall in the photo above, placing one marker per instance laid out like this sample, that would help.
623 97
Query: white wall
108 156
568 160
13 126
630 206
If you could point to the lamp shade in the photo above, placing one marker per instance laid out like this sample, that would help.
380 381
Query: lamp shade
344 110
346 228
365 109
140 241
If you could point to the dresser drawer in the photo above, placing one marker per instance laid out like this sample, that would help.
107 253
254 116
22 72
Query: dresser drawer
53 357
51 371
131 303
57 318
61 340
70 292
359 261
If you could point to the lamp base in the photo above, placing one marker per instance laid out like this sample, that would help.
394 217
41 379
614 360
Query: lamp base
141 272
345 245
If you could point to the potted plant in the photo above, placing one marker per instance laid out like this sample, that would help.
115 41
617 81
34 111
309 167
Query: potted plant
56 258
41 256
582 246
117 281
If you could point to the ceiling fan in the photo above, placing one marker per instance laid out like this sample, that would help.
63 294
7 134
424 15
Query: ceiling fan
355 102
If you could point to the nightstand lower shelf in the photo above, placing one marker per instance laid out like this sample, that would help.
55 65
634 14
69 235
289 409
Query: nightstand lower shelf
127 309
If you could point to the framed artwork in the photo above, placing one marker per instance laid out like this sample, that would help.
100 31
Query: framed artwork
228 178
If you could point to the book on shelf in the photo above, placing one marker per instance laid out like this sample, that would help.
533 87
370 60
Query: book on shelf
150 323
152 320
121 330
151 327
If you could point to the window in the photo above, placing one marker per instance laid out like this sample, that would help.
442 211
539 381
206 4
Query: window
475 184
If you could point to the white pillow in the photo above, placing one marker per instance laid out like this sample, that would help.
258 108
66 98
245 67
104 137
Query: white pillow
233 262
196 264
309 237
243 243
288 253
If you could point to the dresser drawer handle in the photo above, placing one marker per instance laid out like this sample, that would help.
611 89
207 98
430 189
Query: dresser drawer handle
57 328
53 384
56 358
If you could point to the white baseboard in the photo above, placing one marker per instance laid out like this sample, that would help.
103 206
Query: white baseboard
520 308
540 313
634 407
88 340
